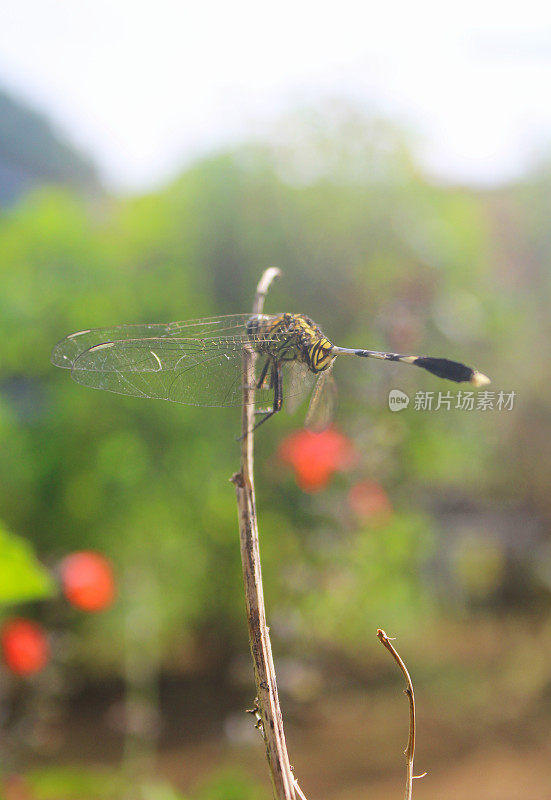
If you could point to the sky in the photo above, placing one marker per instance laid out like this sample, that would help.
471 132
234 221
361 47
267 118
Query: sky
145 87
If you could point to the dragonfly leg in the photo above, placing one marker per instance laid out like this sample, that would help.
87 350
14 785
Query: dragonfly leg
263 374
276 380
260 382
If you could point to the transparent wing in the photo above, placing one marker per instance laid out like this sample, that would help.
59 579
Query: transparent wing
298 381
181 370
322 403
71 347
191 371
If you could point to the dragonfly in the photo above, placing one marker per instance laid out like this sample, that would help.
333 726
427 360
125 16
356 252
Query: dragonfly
200 362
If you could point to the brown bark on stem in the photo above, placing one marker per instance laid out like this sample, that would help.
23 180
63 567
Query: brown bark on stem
266 687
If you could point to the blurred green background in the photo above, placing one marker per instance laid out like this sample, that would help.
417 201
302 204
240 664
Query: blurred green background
437 531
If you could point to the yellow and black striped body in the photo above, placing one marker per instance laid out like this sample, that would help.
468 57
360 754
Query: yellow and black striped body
291 337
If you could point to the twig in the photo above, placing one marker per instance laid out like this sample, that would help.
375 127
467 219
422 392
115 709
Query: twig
283 781
299 791
409 752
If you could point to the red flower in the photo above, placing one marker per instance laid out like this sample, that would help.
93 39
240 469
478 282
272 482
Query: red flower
87 580
24 646
369 500
315 456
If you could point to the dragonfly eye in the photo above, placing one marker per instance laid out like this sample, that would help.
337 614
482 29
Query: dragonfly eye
321 355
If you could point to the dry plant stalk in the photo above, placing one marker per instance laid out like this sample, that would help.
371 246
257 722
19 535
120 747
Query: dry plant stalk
409 752
283 781
267 708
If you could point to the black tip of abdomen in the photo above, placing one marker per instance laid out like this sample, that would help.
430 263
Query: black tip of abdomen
444 368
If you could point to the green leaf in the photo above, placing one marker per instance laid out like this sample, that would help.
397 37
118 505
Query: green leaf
22 577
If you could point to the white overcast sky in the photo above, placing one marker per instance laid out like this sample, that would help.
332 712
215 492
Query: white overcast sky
144 86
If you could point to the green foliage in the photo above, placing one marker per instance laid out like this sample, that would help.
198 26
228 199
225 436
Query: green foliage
67 783
230 784
354 581
22 577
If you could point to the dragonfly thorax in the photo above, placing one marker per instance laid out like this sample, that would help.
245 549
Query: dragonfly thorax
291 337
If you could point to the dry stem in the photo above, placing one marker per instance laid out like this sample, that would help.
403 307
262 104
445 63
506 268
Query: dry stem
409 752
283 781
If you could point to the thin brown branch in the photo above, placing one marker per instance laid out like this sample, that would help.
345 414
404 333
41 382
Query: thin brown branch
264 284
283 781
409 752
299 791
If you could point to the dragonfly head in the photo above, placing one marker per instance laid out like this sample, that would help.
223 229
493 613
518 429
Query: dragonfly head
321 355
